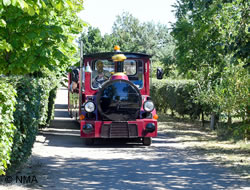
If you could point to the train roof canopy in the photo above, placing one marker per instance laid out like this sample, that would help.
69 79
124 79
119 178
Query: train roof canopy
108 55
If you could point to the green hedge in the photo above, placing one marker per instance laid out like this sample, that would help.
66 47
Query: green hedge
49 93
30 101
7 128
35 99
51 103
176 95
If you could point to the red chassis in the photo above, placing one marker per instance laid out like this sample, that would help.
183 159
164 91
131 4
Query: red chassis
141 127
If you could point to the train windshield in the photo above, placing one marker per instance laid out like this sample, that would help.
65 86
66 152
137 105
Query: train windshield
103 69
134 70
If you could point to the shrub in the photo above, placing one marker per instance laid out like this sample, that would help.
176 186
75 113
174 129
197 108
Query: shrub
32 110
51 92
158 94
176 95
235 131
180 96
51 104
44 88
7 128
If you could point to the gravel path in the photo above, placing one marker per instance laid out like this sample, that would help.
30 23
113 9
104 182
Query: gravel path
60 160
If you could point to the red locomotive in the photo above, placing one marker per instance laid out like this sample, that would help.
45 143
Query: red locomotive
111 96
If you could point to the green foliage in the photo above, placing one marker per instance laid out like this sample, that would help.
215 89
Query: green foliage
27 117
37 34
7 128
236 131
127 31
55 79
36 38
51 104
93 41
229 93
51 83
208 31
157 92
176 95
212 47
132 36
32 111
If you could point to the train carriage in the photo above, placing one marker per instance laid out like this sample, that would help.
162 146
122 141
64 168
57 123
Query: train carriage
111 96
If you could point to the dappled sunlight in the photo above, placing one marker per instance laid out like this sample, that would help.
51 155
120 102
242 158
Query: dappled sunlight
166 173
192 135
168 164
175 160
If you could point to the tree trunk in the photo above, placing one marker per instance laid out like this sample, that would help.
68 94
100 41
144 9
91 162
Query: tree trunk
212 121
172 113
202 119
229 120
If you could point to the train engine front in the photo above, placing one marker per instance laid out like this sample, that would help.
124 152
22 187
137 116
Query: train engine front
120 106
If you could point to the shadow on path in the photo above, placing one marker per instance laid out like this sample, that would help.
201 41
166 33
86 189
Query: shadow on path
68 164
60 160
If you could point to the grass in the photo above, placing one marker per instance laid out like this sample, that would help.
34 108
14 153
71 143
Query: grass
231 153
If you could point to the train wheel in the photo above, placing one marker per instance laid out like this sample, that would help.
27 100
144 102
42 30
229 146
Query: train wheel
89 141
147 141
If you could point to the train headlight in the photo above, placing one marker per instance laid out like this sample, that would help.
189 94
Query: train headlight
89 107
148 106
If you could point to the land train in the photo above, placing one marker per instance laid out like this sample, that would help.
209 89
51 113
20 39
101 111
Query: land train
119 104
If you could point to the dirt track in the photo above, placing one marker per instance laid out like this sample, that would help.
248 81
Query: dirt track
60 160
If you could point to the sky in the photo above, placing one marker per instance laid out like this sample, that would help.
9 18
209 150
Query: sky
102 13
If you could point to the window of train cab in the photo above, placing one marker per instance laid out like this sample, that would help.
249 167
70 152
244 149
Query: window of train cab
133 68
98 78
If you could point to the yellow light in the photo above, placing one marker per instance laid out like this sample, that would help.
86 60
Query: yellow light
82 117
117 48
156 116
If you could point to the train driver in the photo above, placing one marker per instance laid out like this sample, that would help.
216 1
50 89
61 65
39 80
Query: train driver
99 76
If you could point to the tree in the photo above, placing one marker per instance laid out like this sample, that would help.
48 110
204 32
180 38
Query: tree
126 30
93 41
211 47
132 35
37 34
208 31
